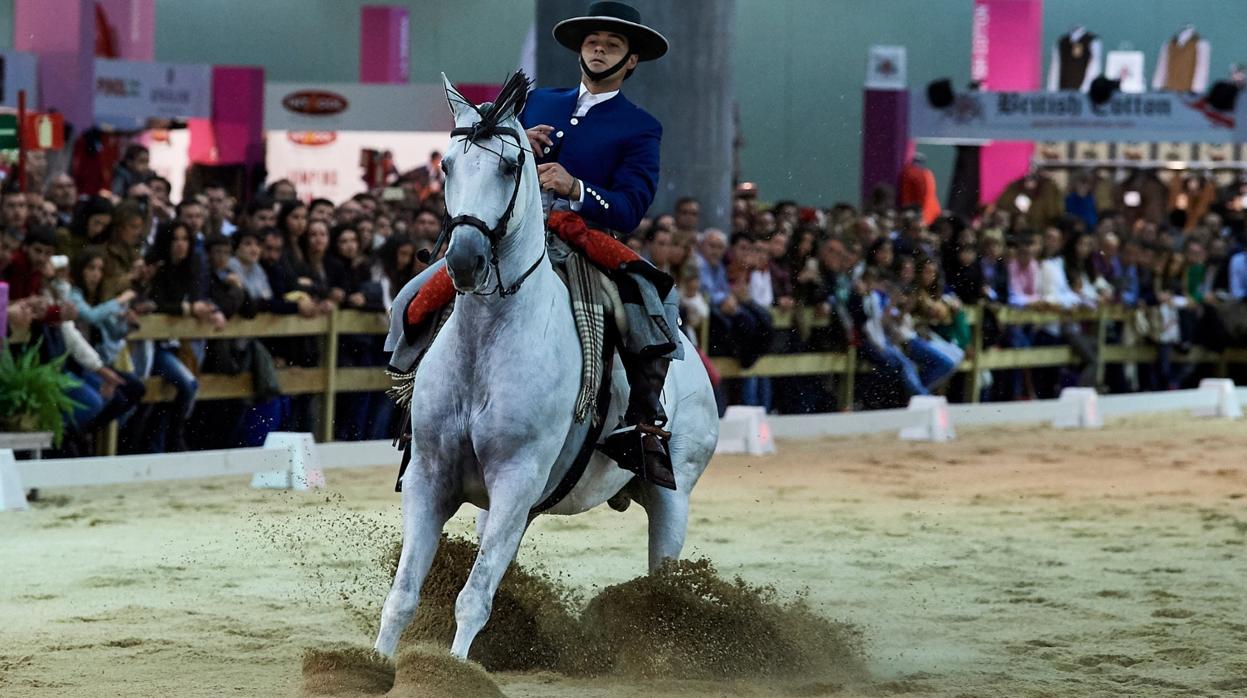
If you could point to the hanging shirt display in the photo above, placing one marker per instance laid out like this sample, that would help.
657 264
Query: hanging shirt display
1075 61
1183 63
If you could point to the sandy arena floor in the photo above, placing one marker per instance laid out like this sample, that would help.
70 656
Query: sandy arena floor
1013 562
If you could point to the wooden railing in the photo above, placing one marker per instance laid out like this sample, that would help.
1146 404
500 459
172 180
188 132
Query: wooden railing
846 364
328 379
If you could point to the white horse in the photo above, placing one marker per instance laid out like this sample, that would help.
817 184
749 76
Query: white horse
494 393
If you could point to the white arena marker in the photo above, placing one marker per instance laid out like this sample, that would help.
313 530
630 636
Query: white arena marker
12 494
1222 399
933 422
745 430
1078 408
304 471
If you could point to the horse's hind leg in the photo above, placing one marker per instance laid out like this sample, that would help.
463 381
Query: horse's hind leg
667 511
425 512
500 533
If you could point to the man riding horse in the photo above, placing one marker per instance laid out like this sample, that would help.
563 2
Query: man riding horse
597 156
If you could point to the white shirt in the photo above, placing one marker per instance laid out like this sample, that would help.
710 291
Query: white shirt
587 100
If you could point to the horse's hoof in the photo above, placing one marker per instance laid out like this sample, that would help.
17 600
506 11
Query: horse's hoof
620 501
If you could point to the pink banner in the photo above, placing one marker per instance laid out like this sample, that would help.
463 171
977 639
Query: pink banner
384 41
1006 54
62 34
132 26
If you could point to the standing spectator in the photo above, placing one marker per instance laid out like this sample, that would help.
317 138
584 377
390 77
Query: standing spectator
88 227
16 212
106 321
261 214
292 222
282 190
220 210
178 287
321 210
123 261
133 169
658 248
192 213
1024 273
1080 202
712 268
63 193
395 266
688 217
917 189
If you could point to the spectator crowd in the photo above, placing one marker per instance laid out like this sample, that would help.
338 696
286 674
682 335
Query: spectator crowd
895 281
85 270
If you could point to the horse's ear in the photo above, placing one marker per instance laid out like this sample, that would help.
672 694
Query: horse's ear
458 105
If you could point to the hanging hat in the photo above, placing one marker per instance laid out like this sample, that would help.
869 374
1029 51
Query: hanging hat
617 18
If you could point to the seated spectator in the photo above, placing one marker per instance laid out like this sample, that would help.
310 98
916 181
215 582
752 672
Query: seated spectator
16 213
1024 276
25 274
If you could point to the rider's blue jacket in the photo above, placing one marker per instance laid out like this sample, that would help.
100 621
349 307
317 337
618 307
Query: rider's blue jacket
612 150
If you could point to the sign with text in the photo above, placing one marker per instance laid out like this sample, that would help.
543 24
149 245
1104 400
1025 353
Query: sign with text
8 131
355 107
1071 116
128 93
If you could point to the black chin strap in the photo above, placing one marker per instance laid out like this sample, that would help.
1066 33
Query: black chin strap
602 75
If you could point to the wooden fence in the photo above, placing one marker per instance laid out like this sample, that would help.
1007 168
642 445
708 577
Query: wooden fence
846 364
329 379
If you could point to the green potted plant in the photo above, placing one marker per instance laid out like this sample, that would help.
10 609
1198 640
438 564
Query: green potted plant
34 396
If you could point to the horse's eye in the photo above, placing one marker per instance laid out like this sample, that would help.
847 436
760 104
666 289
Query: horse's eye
509 168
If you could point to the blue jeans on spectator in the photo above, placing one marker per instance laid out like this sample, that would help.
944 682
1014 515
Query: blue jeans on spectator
168 433
96 411
891 360
756 391
936 359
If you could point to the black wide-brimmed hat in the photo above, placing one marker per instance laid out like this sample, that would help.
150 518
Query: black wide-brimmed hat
615 17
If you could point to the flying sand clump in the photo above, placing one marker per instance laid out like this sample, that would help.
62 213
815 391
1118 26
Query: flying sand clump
682 622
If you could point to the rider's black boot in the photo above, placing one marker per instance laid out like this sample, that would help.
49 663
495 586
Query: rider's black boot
642 449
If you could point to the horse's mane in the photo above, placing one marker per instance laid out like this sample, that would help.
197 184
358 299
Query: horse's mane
511 100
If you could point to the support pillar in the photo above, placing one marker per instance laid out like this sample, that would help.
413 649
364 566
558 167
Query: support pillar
1006 56
689 90
384 44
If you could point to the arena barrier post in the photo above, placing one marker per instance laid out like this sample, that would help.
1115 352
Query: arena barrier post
933 422
848 381
1078 408
12 494
303 471
1101 341
744 429
1223 399
331 377
973 384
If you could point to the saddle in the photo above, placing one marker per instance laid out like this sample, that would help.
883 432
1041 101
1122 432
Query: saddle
586 286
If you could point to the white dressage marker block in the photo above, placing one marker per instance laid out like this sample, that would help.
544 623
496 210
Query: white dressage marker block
934 422
12 494
1222 399
304 471
1079 408
745 430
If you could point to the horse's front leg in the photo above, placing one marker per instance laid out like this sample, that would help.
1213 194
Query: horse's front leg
428 503
501 529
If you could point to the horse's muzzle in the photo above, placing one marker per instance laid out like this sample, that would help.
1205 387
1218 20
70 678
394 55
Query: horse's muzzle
466 260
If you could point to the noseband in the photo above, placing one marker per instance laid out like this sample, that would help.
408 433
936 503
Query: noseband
499 231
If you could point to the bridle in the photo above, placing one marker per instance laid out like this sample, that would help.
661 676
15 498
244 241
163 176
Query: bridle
499 231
